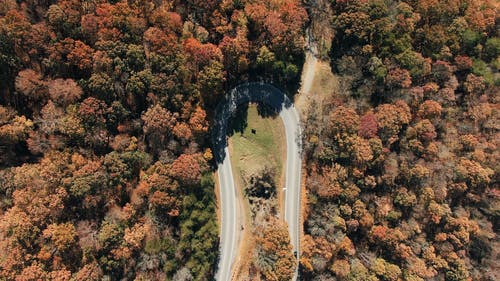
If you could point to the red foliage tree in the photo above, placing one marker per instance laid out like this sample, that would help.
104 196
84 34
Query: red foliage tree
202 54
69 53
368 126
187 168
425 130
16 27
235 52
280 24
398 78
29 83
463 62
81 55
161 42
113 21
93 111
166 20
90 26
64 91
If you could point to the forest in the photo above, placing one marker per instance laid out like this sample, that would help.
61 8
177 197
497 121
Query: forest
403 160
105 109
106 168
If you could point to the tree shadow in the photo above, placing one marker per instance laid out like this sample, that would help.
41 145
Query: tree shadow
231 114
266 111
239 120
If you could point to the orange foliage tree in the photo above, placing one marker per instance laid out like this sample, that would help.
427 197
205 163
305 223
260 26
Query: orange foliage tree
275 258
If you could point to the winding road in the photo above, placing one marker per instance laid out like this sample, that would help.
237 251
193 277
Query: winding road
230 229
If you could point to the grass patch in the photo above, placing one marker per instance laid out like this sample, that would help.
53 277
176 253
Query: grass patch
324 82
252 151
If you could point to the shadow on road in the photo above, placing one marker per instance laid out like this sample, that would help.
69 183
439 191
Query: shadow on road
266 111
238 121
270 99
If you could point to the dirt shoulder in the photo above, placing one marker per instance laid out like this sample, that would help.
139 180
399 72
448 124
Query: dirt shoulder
318 82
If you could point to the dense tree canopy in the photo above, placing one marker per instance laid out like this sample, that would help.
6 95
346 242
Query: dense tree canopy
402 174
105 160
105 108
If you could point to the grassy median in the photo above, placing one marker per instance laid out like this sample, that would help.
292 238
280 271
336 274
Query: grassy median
257 142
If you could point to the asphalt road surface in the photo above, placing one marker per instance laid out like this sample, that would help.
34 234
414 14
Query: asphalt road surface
291 121
230 229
